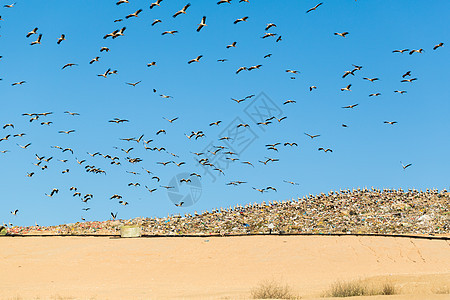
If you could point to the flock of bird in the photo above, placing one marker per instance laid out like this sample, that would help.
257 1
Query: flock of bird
204 159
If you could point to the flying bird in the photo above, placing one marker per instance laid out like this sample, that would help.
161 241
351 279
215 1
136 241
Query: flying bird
409 80
133 84
202 24
314 8
351 106
348 73
61 38
53 192
290 182
38 41
241 69
268 34
405 166
72 113
232 45
254 67
347 88
370 79
270 25
156 21
66 132
135 14
167 187
157 3
94 60
197 59
416 51
68 65
438 46
343 34
406 74
215 123
118 33
118 121
182 11
172 32
312 136
289 101
24 147
244 19
290 144
171 120
104 74
400 51
5 138
34 31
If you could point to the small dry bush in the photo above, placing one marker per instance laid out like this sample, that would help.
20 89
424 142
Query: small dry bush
273 290
442 290
359 288
387 289
58 297
347 289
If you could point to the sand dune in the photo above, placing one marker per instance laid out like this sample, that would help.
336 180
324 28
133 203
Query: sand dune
215 268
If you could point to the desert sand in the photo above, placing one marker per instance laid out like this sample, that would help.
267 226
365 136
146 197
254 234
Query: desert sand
215 267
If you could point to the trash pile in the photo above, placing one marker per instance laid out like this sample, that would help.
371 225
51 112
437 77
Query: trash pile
363 211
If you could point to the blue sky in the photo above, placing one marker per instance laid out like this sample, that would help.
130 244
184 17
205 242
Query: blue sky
366 153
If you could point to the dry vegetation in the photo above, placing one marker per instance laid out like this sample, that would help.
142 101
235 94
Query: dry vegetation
273 290
360 288
55 297
442 290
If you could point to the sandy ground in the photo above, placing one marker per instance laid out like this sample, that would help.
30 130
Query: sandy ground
215 268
